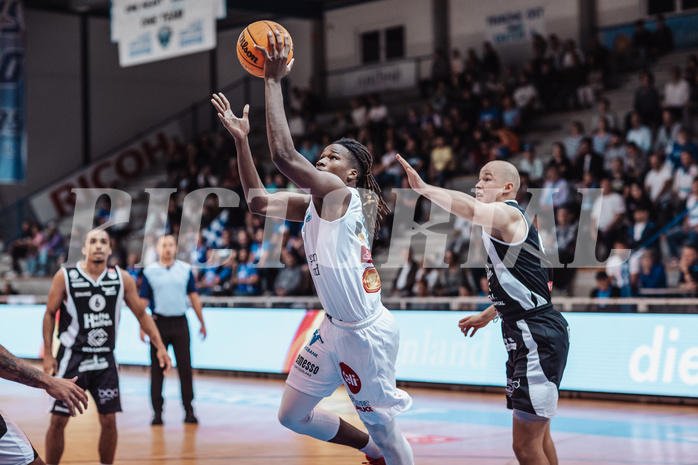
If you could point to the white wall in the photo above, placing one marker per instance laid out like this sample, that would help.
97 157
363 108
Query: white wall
468 27
609 13
344 26
124 101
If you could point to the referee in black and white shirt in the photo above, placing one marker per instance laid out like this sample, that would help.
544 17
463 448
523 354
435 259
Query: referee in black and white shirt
168 284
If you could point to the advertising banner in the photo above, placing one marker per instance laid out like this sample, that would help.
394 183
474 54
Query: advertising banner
13 133
515 26
151 30
57 200
647 354
368 79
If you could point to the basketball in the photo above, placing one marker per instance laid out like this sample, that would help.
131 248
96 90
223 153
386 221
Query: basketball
257 33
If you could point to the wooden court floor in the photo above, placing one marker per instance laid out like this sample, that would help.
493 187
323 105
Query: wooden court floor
238 426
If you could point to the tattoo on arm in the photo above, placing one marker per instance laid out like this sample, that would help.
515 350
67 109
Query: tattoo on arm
14 369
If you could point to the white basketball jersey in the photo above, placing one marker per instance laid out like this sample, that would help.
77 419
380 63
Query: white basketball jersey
339 257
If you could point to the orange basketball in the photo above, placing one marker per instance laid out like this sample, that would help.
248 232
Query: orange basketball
257 33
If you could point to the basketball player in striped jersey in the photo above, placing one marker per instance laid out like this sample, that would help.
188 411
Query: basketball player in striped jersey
90 296
536 336
357 343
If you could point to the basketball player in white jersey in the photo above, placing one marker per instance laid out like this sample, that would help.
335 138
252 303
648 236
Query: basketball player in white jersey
15 447
357 343
536 336
90 296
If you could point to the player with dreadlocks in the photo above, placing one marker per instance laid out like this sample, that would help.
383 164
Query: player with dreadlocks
357 343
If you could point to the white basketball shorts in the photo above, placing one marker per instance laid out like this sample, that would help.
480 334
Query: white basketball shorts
362 357
15 448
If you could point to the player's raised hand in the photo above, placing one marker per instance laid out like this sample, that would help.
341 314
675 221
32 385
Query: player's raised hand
69 393
473 322
416 182
164 359
276 64
237 127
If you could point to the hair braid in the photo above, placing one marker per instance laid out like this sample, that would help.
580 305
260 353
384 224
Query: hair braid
374 207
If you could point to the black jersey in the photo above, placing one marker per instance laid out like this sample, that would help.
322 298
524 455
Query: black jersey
519 274
90 313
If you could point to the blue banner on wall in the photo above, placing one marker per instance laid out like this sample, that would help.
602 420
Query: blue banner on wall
683 27
13 134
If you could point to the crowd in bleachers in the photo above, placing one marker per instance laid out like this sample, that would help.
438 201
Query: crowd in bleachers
471 111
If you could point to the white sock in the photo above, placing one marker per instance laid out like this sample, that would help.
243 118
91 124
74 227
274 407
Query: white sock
372 449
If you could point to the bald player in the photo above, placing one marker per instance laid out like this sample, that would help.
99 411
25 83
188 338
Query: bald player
536 336
90 296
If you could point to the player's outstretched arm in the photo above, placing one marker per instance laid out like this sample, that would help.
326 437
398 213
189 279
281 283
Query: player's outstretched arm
137 306
66 390
477 321
284 205
491 216
56 295
284 155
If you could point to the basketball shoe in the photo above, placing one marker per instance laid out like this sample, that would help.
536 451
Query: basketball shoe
380 461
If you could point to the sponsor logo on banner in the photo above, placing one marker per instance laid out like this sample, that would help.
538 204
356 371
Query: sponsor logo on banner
351 379
97 303
162 30
371 280
58 199
515 26
429 439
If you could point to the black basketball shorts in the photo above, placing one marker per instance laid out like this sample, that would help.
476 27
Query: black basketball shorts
97 373
537 347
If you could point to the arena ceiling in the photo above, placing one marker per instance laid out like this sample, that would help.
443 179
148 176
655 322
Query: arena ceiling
240 12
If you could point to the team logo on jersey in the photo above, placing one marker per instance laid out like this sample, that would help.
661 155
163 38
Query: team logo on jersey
308 218
366 255
509 344
351 379
512 385
316 337
97 337
371 280
550 286
105 395
97 303
73 275
111 274
109 290
93 364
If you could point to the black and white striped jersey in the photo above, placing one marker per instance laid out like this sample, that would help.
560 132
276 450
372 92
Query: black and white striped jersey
89 316
519 274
